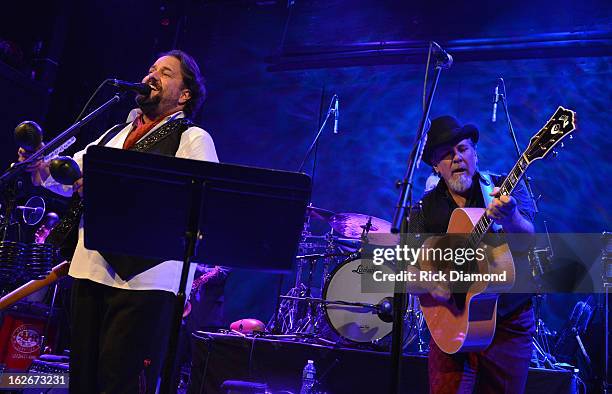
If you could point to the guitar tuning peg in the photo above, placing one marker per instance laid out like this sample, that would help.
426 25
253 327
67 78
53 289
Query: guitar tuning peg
555 154
562 145
571 136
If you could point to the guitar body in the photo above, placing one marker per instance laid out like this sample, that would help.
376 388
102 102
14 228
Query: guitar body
470 325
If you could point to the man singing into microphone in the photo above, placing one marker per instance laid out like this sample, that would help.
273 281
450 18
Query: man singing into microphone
121 316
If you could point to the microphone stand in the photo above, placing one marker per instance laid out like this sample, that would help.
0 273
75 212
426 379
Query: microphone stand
502 96
330 110
400 224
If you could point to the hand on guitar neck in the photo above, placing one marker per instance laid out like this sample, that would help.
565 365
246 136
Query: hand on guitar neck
503 210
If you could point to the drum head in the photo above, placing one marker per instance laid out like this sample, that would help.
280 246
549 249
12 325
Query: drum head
356 323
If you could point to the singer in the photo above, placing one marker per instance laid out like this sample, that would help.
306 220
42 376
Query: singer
122 308
451 150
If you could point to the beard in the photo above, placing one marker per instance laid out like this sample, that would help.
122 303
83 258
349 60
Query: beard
148 104
460 184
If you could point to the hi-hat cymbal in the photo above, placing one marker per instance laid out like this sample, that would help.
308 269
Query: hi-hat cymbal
319 213
351 225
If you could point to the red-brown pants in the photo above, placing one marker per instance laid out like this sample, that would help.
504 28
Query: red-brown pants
501 368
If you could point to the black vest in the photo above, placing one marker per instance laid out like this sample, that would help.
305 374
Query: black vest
163 141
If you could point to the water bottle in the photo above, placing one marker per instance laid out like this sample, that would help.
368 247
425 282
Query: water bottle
308 378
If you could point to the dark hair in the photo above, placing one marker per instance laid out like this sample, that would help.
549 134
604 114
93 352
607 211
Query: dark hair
193 80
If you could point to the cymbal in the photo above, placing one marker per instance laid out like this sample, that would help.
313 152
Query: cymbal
319 213
351 225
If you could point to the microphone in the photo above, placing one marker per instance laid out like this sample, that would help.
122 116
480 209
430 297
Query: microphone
336 115
34 210
445 58
495 101
385 309
140 88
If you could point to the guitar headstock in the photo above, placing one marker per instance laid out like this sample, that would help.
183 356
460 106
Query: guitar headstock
560 125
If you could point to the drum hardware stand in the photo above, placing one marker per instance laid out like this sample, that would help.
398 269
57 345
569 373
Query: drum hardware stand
311 323
403 206
308 323
413 316
327 261
287 314
542 354
9 196
541 347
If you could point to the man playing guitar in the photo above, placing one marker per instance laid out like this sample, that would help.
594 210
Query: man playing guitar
502 367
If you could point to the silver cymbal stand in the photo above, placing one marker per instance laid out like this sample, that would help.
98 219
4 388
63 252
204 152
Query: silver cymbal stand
328 260
288 310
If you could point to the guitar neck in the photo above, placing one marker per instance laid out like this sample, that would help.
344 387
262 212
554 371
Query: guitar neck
507 187
204 278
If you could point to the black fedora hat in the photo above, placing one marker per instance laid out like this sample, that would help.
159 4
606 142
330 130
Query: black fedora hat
446 130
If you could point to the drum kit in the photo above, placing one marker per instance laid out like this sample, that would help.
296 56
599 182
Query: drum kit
19 261
343 314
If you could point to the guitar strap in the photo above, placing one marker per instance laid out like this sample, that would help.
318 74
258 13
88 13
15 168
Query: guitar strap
486 186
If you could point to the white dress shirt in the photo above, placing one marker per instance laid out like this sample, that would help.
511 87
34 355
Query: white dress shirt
195 144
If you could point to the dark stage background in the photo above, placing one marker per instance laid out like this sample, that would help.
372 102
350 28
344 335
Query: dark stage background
272 67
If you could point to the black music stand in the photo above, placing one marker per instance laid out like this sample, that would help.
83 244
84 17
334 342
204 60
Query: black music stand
178 209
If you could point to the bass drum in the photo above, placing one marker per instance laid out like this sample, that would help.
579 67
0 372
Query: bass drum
360 324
